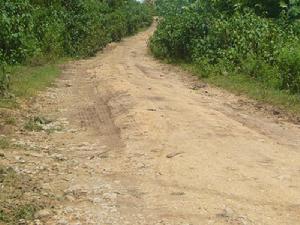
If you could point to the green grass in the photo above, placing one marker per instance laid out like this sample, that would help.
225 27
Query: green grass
4 143
10 121
32 125
26 81
242 84
14 203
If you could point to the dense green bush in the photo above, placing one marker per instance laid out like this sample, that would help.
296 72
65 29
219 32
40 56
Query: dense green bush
17 40
258 40
289 63
51 28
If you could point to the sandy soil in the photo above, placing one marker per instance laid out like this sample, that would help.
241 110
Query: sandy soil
145 143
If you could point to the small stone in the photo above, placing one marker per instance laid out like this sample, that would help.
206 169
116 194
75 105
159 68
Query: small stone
62 222
227 212
199 86
19 159
69 210
22 222
70 198
2 155
110 196
96 200
140 165
42 213
37 222
58 157
73 130
171 155
37 155
68 85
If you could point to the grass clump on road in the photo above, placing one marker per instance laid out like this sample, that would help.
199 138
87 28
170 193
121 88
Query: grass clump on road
10 121
249 48
33 125
40 123
4 143
15 206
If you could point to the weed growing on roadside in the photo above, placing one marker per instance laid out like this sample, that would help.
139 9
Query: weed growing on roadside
10 121
14 205
34 124
4 143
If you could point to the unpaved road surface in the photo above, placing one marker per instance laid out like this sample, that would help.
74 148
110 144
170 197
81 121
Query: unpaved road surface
145 144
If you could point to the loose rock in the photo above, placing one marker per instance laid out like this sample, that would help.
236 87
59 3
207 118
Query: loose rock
171 155
42 213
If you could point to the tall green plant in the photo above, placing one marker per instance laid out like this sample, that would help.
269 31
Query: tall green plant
53 28
17 40
255 38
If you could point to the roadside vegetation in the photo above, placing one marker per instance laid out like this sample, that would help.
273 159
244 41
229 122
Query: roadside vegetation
17 206
36 34
249 47
26 80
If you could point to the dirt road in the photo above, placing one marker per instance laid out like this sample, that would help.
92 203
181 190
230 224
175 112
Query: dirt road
144 143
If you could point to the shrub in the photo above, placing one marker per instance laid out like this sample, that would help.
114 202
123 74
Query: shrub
50 29
259 69
233 36
17 40
289 65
